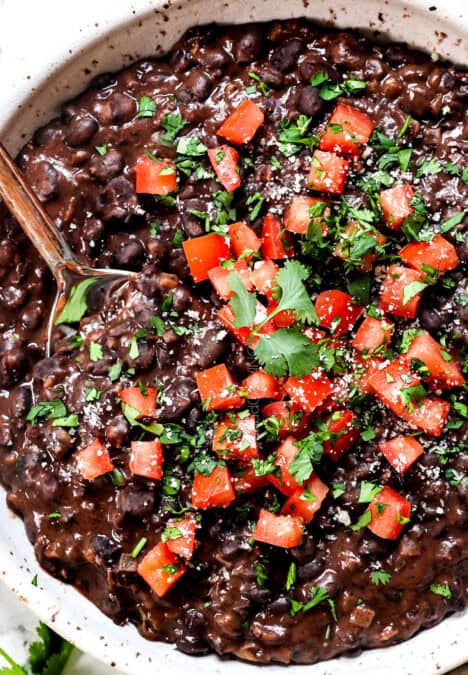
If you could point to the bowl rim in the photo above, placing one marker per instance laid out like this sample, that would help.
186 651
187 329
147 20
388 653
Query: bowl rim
17 564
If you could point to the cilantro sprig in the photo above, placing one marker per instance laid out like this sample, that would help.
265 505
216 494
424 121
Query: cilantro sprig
47 656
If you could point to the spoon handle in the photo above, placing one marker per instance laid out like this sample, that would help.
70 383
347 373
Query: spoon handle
26 208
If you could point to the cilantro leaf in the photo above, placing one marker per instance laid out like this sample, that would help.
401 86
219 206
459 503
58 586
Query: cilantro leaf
368 491
76 306
442 589
310 453
146 107
380 577
14 668
47 656
242 303
132 416
192 146
363 520
49 410
318 593
285 351
412 289
172 125
293 293
453 221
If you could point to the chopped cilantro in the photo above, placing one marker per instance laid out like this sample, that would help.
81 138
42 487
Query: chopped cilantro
452 222
172 125
291 577
338 489
48 410
146 107
96 352
76 305
380 577
442 589
139 547
368 491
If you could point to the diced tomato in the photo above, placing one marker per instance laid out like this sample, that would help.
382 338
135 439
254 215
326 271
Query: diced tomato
285 453
337 311
390 512
243 240
226 317
185 544
401 452
219 277
283 319
289 416
396 205
309 391
442 367
205 252
94 461
297 216
225 160
344 425
328 172
259 385
314 334
283 531
214 490
161 569
348 129
306 501
264 274
236 438
155 176
245 481
277 243
218 390
145 402
364 369
428 414
438 254
242 124
373 335
392 294
146 459
338 397
344 249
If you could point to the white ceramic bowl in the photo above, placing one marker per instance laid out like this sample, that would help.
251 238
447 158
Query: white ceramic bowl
44 62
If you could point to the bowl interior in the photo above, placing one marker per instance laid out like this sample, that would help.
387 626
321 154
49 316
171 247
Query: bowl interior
99 36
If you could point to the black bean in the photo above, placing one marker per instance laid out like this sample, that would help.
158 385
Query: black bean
346 50
81 130
130 254
123 108
181 299
249 45
430 319
309 102
198 84
135 502
106 166
284 58
44 180
117 431
105 547
401 56
314 63
13 364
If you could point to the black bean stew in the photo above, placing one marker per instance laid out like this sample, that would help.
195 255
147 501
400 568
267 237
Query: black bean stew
258 448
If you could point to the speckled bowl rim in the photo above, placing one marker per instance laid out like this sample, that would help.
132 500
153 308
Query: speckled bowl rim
93 36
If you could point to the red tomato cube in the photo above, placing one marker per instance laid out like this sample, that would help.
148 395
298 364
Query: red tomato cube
399 294
218 390
282 531
373 336
245 480
344 249
225 161
337 311
244 241
328 172
94 461
439 254
143 401
147 459
235 437
242 124
443 368
155 176
285 453
219 277
259 385
185 543
264 275
389 513
306 501
214 490
348 129
396 205
288 416
309 391
161 569
226 317
277 243
205 252
297 216
345 430
401 452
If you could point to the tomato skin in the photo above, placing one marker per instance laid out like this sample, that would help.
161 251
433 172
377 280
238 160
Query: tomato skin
429 415
372 335
386 524
155 177
342 249
243 238
396 205
401 452
310 391
247 482
225 161
345 424
215 385
301 507
333 305
328 172
242 124
444 373
264 277
297 217
260 385
438 253
244 447
369 366
226 317
219 277
214 490
144 403
286 452
185 545
356 129
392 292
151 568
290 417
205 252
276 243
94 461
147 459
282 531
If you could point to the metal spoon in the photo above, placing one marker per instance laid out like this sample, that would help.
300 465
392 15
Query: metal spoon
71 276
